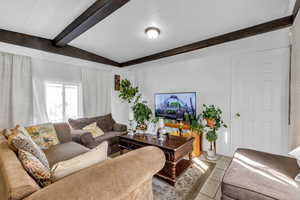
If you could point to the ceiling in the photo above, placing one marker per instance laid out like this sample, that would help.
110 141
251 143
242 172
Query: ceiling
121 37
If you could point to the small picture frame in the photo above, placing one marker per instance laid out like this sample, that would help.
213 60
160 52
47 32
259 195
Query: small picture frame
117 82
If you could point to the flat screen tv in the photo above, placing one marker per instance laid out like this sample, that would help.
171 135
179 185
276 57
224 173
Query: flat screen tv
175 105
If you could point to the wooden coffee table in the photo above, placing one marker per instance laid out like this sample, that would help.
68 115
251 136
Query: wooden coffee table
176 150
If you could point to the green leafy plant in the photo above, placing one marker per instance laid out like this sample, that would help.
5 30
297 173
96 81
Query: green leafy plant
128 93
142 114
213 113
195 123
213 117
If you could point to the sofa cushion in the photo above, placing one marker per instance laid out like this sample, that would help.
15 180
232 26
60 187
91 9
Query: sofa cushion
44 135
258 175
79 123
64 151
105 122
15 183
24 142
68 167
35 168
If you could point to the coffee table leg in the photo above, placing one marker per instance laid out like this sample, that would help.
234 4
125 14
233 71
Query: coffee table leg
190 156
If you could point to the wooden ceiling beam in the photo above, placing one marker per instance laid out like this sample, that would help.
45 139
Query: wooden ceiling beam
43 44
232 36
296 9
93 15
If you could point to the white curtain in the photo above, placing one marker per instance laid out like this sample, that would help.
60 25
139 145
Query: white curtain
16 105
39 101
96 89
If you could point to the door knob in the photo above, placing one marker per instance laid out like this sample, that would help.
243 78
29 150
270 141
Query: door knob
238 115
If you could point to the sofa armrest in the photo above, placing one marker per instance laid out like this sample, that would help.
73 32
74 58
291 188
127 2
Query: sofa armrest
119 127
112 179
83 137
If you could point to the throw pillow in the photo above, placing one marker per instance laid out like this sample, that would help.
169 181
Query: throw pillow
18 141
68 167
35 168
94 130
296 154
43 135
6 133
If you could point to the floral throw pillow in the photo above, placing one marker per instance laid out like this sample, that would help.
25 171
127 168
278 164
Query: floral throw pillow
19 141
35 168
43 135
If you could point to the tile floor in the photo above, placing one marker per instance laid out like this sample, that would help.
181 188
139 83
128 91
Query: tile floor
211 190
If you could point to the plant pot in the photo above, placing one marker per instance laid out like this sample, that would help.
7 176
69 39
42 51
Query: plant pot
211 155
211 123
142 127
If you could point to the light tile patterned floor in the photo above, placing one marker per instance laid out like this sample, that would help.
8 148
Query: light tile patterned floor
212 188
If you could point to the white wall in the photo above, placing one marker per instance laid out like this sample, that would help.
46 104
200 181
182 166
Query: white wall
208 72
295 89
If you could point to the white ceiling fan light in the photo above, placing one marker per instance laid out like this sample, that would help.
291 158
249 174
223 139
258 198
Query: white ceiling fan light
152 32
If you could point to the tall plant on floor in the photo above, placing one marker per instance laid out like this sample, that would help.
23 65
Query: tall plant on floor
212 115
142 113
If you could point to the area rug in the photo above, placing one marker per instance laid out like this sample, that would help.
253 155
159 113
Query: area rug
188 185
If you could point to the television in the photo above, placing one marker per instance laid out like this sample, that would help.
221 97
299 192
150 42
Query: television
175 105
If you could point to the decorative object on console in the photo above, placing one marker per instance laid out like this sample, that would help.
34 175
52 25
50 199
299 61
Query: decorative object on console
117 82
212 115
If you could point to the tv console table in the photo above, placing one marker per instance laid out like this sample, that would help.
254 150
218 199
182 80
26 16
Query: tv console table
176 150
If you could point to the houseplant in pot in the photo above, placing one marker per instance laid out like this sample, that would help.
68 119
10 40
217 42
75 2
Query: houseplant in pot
196 128
212 117
142 115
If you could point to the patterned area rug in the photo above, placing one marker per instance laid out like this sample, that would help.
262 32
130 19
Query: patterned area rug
187 186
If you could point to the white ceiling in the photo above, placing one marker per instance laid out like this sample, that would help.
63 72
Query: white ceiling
44 18
121 35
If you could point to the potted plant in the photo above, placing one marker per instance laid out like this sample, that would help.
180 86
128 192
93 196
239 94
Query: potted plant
213 118
196 127
142 115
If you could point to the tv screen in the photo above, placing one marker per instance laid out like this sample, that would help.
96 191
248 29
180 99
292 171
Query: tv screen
175 105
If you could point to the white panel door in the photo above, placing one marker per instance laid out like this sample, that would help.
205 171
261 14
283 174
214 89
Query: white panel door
260 96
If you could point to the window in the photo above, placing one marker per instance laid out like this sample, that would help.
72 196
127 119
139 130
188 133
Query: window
63 101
